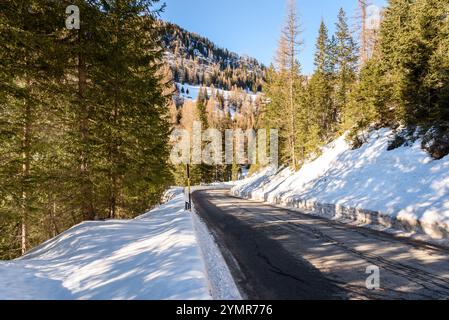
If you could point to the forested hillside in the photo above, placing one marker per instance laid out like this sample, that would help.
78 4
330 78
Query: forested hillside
84 133
195 60
225 85
217 109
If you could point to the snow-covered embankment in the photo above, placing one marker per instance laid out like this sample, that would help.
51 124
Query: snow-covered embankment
400 190
157 256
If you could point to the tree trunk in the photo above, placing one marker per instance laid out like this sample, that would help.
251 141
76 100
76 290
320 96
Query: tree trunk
54 225
113 198
292 124
26 154
87 207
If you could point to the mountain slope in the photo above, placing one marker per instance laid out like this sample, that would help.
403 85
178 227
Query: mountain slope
196 60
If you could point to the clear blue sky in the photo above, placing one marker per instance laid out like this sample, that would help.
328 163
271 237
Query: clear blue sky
253 27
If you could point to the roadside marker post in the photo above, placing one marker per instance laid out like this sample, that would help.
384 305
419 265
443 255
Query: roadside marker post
188 205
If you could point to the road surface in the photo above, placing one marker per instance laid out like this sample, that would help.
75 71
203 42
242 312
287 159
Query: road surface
276 253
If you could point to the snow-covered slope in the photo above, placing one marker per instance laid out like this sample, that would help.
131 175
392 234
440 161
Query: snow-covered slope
156 256
191 92
404 183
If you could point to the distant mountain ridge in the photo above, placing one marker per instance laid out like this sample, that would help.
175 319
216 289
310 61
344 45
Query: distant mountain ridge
196 60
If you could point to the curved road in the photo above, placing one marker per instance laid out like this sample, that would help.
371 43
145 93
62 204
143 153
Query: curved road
276 253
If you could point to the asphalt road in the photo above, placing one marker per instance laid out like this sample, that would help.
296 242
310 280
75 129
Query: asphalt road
276 253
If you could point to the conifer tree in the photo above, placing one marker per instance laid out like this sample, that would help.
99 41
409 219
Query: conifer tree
83 117
30 64
429 24
393 44
345 65
205 171
285 91
133 114
320 86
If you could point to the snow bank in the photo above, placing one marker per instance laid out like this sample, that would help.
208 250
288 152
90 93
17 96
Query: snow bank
405 184
221 283
156 256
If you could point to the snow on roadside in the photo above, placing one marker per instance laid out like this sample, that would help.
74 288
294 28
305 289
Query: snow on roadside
221 283
405 183
155 256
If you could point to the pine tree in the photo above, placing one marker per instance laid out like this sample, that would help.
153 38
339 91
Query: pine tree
440 74
320 86
285 91
31 62
393 45
366 102
429 23
83 117
133 114
412 37
345 64
205 171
